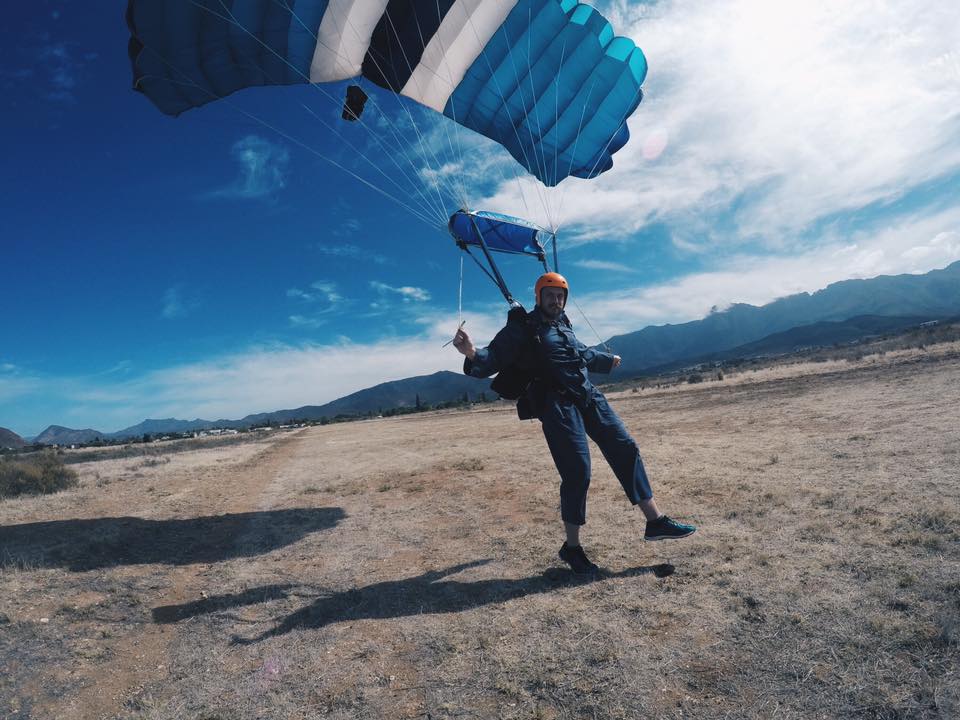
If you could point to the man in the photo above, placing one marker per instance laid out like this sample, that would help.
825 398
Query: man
570 408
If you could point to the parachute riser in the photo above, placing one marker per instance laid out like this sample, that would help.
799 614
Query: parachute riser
498 278
466 248
531 241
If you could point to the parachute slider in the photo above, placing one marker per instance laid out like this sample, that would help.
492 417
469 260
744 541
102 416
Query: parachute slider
493 232
354 103
500 233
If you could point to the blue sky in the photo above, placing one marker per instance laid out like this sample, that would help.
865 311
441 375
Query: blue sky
233 260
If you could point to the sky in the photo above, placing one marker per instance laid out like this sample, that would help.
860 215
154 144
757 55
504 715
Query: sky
258 253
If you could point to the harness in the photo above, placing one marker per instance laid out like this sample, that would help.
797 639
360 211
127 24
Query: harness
527 380
513 381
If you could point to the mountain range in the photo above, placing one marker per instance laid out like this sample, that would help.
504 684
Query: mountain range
429 389
935 294
805 337
9 439
841 312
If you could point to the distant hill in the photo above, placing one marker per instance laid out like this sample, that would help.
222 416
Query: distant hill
935 294
841 312
168 425
806 337
439 387
59 435
9 439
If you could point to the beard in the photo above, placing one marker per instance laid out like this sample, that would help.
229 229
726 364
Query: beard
552 311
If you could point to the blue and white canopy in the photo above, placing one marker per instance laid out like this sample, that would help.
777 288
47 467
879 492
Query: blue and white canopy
547 79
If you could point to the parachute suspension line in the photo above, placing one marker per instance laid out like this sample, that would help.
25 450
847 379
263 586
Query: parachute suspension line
424 203
601 153
441 213
556 146
504 99
465 201
456 124
584 315
622 121
418 214
516 73
417 186
437 182
418 183
460 296
497 277
423 146
189 82
479 264
458 151
576 143
229 17
536 113
539 158
516 172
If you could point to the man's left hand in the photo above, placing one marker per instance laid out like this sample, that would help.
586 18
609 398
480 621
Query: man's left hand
616 360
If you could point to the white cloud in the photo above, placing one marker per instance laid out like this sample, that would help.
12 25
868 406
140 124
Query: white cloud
175 304
914 245
603 265
283 376
256 380
319 291
323 298
406 292
772 117
14 384
262 172
349 251
307 322
61 69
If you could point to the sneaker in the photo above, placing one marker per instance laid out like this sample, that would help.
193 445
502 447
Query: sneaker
665 528
577 560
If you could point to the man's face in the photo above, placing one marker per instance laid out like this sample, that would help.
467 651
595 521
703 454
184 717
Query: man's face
552 301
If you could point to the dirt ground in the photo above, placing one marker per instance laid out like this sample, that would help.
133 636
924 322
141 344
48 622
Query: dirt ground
407 568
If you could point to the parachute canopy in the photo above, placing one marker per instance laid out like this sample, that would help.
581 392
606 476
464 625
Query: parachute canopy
547 79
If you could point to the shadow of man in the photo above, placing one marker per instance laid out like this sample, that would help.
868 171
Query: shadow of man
80 545
430 594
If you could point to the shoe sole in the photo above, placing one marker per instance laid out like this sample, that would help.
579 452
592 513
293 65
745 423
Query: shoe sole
593 571
667 537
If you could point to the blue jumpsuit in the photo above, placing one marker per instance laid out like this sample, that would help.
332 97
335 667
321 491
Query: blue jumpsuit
571 409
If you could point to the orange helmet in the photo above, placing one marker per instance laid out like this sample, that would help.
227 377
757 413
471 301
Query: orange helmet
551 279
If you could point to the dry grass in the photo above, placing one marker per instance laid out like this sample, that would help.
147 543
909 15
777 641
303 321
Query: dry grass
37 474
406 568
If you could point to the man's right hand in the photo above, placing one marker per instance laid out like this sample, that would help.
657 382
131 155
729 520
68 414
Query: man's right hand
463 343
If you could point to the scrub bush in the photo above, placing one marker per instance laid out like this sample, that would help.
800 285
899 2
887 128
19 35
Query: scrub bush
38 474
